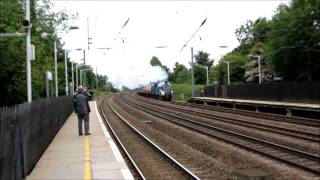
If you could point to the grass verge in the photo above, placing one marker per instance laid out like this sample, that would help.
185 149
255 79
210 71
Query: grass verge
182 92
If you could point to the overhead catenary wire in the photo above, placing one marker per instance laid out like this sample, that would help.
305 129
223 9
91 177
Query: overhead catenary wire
119 33
203 22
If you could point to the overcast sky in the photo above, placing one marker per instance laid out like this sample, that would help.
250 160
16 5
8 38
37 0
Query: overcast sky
152 24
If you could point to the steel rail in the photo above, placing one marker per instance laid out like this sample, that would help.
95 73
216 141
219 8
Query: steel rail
267 116
174 161
120 143
275 147
269 128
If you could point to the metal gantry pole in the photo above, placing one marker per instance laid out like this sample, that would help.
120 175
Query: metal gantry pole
77 79
66 71
192 72
80 77
97 80
85 78
84 56
28 49
88 32
55 68
72 77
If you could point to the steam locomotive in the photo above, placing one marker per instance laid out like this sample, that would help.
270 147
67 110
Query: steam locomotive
159 90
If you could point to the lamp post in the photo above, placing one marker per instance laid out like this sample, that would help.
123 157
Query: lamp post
72 78
77 80
28 49
72 74
97 80
55 68
66 71
259 65
227 62
55 62
81 78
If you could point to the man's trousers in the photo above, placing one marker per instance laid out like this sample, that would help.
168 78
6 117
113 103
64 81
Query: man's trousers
85 118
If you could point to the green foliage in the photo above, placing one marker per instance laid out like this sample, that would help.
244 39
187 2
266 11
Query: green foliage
184 76
13 53
245 36
185 89
181 74
101 94
200 74
237 62
155 61
289 41
292 48
11 59
202 58
260 30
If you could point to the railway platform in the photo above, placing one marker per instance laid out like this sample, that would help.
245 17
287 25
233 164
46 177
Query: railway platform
70 156
288 108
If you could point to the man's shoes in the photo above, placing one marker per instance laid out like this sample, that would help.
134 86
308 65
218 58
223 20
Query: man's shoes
87 134
80 134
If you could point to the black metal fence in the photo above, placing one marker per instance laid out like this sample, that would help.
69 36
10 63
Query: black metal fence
307 92
26 130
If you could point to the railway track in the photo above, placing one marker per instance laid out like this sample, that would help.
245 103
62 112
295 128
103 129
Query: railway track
165 166
300 159
229 119
267 116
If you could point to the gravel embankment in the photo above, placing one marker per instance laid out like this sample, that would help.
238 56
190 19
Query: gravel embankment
205 156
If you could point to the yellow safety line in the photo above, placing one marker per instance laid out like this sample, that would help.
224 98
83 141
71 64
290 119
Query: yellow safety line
87 166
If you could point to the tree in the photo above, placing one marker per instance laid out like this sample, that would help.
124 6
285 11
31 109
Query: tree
155 61
12 50
202 62
183 77
200 74
252 36
293 48
245 36
289 41
12 82
237 63
202 58
180 74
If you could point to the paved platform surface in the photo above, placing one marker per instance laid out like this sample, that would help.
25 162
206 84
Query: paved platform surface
71 156
273 103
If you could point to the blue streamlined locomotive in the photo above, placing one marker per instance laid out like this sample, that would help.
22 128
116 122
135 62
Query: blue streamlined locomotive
160 90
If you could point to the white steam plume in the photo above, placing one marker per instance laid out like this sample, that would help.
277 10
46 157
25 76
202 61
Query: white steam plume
137 77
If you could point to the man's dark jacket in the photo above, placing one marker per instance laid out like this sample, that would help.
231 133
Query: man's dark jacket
80 103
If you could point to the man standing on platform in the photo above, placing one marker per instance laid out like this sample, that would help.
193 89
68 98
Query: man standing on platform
82 108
